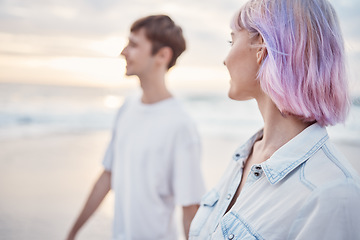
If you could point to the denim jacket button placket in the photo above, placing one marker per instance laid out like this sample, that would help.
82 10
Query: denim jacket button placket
257 170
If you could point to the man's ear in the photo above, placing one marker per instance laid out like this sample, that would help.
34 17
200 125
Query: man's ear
164 55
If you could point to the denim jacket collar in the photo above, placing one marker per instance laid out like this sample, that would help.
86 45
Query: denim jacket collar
295 152
242 153
289 156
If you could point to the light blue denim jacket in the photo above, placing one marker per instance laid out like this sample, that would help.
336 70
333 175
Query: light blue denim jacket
305 190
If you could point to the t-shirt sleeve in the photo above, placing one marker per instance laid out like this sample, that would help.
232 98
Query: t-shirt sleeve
109 154
188 182
108 157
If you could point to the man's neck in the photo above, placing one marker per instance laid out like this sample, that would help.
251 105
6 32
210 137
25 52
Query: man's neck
154 90
150 97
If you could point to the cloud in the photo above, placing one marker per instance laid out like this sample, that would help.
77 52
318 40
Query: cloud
48 27
205 23
348 13
91 28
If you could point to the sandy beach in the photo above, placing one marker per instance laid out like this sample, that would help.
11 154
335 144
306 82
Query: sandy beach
44 181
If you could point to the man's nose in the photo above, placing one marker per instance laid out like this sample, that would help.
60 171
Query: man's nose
123 52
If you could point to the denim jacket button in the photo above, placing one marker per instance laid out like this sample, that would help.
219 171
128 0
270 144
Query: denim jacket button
231 236
236 156
228 196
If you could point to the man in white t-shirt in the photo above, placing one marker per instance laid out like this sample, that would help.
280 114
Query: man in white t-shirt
153 160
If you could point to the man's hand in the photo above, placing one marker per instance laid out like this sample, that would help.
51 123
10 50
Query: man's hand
97 195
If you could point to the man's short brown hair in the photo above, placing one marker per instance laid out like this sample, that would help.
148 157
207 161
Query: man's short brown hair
162 32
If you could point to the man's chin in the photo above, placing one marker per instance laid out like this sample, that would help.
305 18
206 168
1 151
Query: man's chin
129 74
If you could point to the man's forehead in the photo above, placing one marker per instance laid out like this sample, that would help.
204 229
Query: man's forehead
138 34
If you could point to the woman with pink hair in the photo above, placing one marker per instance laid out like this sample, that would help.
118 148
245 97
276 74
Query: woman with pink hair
288 181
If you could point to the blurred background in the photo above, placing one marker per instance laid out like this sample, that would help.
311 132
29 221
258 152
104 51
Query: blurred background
61 82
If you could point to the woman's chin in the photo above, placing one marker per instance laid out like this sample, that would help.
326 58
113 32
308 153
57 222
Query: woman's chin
233 97
238 97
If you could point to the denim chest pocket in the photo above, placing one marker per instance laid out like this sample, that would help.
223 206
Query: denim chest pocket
207 205
234 227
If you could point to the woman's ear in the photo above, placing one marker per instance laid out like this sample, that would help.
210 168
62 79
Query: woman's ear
261 54
262 51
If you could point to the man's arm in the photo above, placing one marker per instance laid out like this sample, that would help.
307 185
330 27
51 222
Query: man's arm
98 193
188 215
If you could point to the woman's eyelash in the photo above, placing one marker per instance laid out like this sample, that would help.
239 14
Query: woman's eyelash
230 42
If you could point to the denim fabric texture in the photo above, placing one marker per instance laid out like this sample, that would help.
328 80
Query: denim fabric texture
305 190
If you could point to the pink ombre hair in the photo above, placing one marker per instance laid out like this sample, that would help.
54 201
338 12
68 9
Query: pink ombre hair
304 69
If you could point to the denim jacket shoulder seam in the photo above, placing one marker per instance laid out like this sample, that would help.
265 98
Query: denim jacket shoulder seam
274 178
333 159
303 179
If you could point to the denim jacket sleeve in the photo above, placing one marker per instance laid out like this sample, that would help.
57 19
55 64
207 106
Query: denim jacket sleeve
337 206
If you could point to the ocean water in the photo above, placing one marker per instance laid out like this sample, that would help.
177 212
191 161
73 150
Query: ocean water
42 190
39 109
27 109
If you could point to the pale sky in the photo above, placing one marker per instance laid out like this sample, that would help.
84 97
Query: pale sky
78 41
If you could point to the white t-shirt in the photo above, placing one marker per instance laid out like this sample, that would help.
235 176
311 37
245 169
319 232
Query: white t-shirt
154 157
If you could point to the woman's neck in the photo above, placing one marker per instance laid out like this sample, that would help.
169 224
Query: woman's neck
278 128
